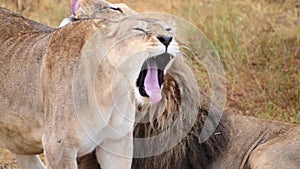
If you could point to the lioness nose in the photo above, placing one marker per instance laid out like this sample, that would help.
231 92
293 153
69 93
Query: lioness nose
166 40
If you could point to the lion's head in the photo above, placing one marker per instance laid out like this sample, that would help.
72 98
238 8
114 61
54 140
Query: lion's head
144 44
160 44
101 9
84 9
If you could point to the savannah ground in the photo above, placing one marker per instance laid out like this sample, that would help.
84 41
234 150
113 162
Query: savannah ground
258 42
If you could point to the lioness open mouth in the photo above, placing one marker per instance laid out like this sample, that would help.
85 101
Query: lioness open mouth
151 76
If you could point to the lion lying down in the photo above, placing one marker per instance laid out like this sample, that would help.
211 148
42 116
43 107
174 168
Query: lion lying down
239 142
68 91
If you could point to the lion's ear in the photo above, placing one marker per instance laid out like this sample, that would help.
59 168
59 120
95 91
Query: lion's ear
75 4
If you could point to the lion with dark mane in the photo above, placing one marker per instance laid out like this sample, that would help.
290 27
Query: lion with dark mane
239 142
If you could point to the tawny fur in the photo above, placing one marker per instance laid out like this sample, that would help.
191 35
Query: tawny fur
100 9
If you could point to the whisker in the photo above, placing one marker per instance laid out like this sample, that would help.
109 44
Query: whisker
186 51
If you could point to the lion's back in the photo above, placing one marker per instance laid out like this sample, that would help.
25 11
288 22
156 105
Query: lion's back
12 24
23 44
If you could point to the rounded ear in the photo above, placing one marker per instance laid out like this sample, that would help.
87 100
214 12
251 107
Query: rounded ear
75 4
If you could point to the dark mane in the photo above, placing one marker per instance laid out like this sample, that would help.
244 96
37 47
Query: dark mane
181 94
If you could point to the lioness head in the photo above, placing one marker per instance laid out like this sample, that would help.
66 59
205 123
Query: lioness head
84 9
162 47
155 44
101 9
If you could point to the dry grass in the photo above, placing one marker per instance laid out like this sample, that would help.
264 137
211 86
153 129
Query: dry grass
6 159
258 43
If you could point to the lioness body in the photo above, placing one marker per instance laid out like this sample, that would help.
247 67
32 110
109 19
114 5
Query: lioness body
24 95
39 94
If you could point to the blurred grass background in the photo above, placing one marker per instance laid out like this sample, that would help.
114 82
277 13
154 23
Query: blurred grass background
258 42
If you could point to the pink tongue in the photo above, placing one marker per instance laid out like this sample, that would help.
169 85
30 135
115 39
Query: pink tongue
151 83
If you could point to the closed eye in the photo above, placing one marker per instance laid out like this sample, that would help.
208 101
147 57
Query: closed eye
141 30
116 9
168 29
